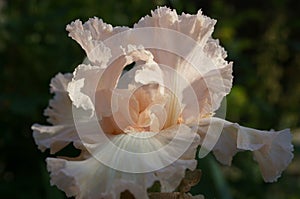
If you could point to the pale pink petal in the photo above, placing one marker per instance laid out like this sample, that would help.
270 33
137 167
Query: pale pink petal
55 137
110 77
147 94
130 54
198 27
274 155
153 117
60 109
202 63
168 94
209 90
271 149
90 179
119 112
91 36
215 52
149 73
60 115
171 176
83 86
145 151
100 30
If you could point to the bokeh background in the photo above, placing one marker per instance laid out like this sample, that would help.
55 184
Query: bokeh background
261 37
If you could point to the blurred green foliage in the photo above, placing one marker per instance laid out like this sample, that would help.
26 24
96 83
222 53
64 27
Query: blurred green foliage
261 37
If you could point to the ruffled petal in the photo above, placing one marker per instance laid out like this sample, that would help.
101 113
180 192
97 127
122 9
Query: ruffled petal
130 54
271 149
198 27
209 91
97 29
110 78
83 86
60 115
185 40
91 36
171 176
55 137
149 73
60 108
202 63
90 179
141 151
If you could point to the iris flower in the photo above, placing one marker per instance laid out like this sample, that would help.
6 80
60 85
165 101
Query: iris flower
142 103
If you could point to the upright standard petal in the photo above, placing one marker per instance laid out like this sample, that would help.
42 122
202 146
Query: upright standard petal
91 35
202 63
83 86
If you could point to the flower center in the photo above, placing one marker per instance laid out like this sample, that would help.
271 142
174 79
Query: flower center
149 108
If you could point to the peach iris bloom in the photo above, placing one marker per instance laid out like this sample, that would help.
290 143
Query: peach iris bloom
166 99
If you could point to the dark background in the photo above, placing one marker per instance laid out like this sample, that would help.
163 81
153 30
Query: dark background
261 37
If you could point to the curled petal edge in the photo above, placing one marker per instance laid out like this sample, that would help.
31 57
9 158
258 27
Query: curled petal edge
272 150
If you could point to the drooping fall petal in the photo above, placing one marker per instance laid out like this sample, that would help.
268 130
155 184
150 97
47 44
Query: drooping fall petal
60 115
271 149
